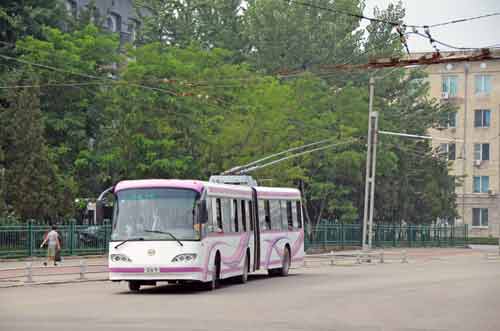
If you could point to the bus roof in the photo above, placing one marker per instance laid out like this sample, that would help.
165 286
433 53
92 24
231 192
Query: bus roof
227 190
277 193
195 185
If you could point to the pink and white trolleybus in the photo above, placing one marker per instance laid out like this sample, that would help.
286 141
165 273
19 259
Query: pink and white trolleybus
197 231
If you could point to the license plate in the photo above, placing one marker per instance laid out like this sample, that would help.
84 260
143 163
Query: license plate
152 269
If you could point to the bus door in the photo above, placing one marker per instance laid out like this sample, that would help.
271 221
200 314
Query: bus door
254 216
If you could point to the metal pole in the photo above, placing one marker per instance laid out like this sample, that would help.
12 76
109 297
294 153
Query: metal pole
464 147
368 163
83 269
29 272
372 187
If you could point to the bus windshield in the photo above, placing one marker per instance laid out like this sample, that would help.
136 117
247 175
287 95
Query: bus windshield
155 214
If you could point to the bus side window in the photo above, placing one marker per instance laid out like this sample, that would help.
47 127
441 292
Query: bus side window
235 215
267 217
299 214
289 217
276 222
218 210
243 216
252 215
227 215
295 222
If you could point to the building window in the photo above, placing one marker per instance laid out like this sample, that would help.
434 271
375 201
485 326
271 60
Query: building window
113 23
449 150
132 28
72 8
452 120
481 184
450 85
480 217
483 84
481 152
482 118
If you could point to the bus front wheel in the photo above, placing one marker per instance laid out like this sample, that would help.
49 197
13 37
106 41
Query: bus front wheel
134 286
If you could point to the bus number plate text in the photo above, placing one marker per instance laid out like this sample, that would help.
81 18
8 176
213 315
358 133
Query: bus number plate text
152 269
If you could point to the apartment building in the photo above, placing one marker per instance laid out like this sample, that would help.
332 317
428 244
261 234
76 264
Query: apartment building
474 87
118 16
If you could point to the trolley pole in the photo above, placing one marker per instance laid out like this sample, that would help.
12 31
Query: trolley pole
370 170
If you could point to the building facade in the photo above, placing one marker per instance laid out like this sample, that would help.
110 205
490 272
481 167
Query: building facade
474 130
117 16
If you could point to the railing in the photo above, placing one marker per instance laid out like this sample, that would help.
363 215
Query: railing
340 235
25 240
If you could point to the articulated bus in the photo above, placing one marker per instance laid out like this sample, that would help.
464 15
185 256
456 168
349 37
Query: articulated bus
194 231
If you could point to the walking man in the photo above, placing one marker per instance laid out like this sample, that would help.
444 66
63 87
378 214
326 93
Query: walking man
53 244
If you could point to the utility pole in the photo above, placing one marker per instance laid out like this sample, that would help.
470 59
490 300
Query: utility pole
370 170
374 119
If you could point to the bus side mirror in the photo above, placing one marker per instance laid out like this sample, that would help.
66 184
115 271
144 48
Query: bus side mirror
202 212
99 212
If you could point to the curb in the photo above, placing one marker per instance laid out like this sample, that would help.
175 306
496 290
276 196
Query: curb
42 258
57 282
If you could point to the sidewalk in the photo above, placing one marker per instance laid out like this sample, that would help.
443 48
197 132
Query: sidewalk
15 273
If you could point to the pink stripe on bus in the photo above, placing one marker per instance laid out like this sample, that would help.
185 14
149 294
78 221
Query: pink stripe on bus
134 270
162 270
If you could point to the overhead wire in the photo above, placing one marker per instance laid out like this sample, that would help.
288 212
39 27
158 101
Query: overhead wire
393 23
432 40
258 167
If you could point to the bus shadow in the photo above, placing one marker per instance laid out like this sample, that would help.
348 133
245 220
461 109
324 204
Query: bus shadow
196 288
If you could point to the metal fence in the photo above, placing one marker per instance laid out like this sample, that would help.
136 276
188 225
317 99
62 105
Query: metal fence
326 236
25 240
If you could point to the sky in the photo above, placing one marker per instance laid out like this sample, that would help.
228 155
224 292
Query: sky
478 33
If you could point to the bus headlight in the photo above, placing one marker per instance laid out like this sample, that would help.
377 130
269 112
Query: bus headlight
119 257
184 258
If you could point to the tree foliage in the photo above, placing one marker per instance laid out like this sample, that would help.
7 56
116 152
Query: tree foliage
198 95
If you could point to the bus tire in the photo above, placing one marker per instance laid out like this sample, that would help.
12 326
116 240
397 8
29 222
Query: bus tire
215 281
284 270
134 286
243 278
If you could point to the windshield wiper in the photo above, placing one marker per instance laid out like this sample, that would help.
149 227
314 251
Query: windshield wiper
130 239
164 232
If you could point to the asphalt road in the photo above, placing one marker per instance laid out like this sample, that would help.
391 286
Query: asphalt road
447 293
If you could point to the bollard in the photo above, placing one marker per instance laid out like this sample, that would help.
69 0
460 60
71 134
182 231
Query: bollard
29 272
382 257
498 246
358 259
404 258
83 269
332 261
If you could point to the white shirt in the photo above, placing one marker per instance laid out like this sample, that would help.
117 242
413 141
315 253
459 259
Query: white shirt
52 237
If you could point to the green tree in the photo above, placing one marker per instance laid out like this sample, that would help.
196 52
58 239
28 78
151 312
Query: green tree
34 187
19 19
289 36
208 23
